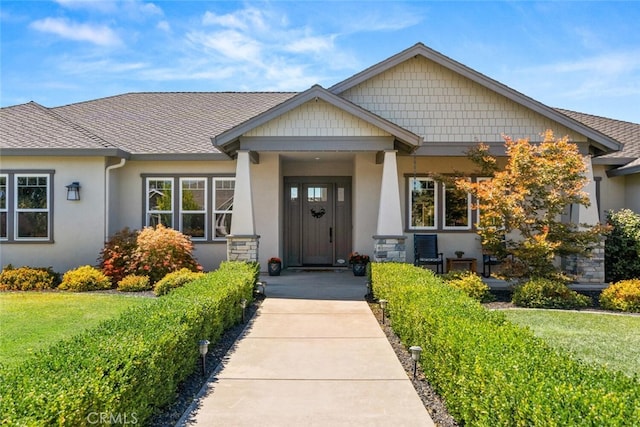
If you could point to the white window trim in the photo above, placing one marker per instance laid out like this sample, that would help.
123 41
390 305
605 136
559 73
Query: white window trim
5 210
444 211
435 203
150 212
215 212
202 211
17 211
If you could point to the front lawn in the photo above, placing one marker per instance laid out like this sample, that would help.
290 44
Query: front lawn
607 339
32 321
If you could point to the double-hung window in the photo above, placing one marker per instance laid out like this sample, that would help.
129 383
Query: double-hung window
25 206
4 211
457 208
198 206
423 203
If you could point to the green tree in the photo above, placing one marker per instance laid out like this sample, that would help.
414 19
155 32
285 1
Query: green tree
529 196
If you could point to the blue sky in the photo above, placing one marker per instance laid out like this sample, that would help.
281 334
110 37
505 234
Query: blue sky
583 56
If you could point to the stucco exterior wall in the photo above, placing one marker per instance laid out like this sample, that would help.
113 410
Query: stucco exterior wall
127 188
448 241
632 192
612 192
443 106
317 118
77 225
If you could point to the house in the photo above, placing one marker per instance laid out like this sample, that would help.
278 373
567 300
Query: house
308 177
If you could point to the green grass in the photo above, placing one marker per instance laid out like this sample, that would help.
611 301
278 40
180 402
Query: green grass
33 321
606 339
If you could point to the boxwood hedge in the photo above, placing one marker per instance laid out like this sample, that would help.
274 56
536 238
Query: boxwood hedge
491 372
126 368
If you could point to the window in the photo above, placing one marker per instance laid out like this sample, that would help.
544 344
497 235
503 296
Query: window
193 207
191 204
435 206
457 209
160 202
3 207
423 203
25 206
224 190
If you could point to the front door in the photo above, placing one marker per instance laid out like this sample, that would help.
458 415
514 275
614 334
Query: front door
317 221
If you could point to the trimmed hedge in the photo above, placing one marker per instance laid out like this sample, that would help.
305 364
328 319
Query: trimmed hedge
127 367
491 372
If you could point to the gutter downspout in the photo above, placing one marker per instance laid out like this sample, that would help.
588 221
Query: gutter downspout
107 194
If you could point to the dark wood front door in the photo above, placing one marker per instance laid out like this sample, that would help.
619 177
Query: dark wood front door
317 221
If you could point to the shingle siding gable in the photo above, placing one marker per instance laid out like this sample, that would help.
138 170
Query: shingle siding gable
317 118
431 100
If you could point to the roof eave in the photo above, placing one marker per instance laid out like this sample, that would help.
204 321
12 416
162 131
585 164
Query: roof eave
65 152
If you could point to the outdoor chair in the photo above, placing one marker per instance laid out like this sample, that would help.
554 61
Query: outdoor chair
426 251
490 259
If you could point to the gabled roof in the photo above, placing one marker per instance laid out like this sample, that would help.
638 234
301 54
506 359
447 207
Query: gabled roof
597 138
627 133
170 125
31 128
227 140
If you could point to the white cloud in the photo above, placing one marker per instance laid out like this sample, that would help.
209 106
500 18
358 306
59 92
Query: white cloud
231 44
97 34
315 44
249 19
164 26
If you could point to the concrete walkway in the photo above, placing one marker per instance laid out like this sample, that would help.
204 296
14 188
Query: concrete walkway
313 355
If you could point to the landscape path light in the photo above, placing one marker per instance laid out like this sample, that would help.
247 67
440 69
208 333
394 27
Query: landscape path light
243 304
383 306
415 350
203 346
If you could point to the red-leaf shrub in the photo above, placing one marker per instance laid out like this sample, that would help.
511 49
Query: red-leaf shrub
116 258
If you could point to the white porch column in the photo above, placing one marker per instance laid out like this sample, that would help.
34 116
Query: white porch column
588 269
242 243
389 240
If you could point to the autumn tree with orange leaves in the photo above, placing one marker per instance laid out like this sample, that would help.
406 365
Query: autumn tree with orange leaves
528 196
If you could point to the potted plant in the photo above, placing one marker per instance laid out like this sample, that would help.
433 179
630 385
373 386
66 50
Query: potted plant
274 266
459 254
358 263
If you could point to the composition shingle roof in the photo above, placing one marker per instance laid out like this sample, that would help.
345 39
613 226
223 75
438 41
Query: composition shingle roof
169 122
627 133
32 126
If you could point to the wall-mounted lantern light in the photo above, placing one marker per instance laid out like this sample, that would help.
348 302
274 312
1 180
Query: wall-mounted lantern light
73 191
383 306
415 350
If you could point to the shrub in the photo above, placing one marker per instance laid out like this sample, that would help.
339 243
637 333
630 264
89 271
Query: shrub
491 372
174 280
623 296
622 247
85 278
161 250
28 279
134 283
546 293
469 283
129 365
116 258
